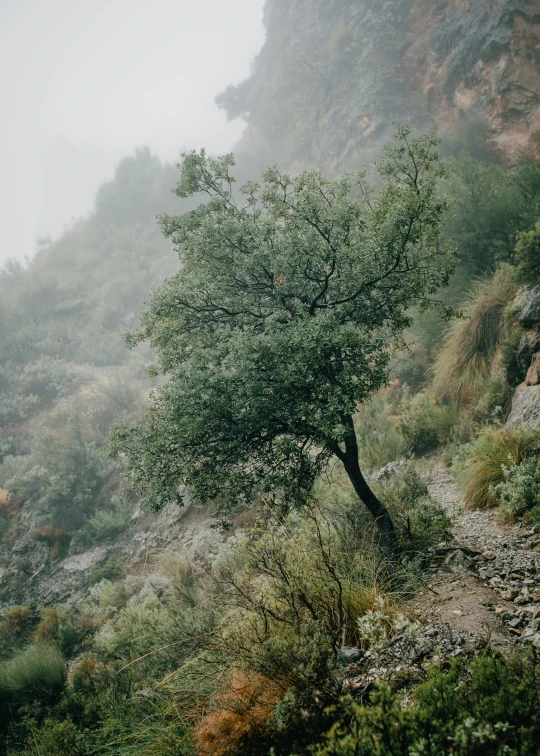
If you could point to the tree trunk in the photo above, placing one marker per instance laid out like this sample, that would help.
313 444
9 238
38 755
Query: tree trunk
380 514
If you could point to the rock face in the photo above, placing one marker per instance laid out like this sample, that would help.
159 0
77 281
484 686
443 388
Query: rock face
526 402
530 315
525 407
333 74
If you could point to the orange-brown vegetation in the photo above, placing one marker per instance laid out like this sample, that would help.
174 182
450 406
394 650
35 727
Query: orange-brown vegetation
8 502
15 620
47 629
55 538
243 714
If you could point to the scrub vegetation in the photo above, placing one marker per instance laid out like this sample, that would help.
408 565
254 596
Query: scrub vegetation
311 332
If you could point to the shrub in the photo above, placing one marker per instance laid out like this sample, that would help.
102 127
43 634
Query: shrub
111 570
55 538
480 465
15 630
59 739
106 524
425 424
490 204
57 628
421 521
379 435
527 255
37 673
464 363
495 401
518 493
242 718
495 712
66 467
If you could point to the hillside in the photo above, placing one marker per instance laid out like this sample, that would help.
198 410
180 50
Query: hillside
268 615
333 76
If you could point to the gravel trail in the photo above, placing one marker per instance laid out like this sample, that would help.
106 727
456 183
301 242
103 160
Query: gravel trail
485 581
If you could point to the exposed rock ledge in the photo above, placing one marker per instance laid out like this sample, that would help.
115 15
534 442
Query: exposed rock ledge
525 407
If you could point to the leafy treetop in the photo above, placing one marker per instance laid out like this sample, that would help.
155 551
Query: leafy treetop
280 322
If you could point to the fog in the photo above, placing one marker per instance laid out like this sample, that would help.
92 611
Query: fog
83 84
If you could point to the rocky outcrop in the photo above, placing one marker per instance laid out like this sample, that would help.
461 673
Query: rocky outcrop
530 314
525 407
333 74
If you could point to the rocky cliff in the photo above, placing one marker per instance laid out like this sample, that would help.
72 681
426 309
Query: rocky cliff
334 74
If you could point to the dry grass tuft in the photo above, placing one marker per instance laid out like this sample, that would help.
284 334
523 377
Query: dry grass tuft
464 363
494 449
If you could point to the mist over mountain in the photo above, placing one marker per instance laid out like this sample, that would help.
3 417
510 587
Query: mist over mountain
269 459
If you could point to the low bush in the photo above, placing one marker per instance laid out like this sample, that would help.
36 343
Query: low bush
480 465
377 422
421 522
527 255
59 739
426 425
37 673
241 719
110 570
15 630
495 401
57 627
106 524
518 494
497 711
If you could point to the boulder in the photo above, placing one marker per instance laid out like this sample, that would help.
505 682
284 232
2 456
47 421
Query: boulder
349 655
533 373
530 315
525 407
390 470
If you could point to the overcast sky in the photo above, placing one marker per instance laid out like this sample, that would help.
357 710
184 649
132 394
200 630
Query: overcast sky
83 83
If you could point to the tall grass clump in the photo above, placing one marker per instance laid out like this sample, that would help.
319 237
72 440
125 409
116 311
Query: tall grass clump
37 673
482 463
465 361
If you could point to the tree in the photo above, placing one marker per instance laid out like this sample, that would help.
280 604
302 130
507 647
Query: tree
280 323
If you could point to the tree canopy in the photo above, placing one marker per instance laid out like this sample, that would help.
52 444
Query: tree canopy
280 322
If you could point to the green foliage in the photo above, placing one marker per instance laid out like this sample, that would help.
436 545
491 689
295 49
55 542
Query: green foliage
527 255
490 205
37 673
138 191
469 138
15 630
426 424
106 524
480 465
59 739
111 570
65 467
421 522
279 322
496 400
518 494
495 713
377 426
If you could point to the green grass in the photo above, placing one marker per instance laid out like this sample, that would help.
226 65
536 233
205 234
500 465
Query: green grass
37 673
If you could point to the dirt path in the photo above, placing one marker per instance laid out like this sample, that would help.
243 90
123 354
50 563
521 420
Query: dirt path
485 582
